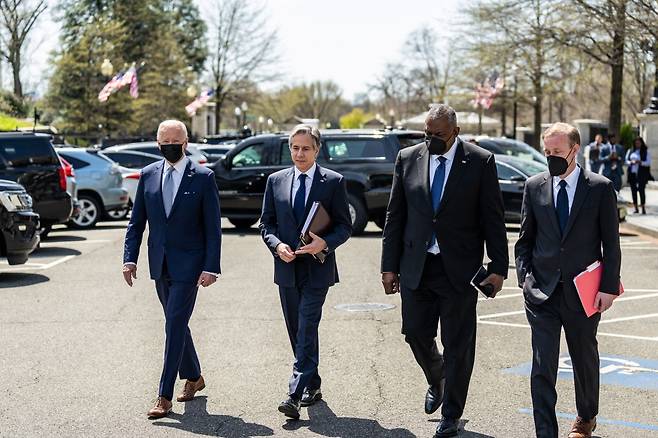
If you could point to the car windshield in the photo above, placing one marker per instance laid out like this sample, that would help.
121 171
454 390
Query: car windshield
520 150
528 167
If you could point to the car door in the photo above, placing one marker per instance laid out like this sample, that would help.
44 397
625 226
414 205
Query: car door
241 179
512 183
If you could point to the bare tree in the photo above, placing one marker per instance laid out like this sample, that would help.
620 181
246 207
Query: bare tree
428 71
320 100
242 50
644 15
17 18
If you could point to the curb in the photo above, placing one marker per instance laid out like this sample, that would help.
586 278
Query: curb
627 226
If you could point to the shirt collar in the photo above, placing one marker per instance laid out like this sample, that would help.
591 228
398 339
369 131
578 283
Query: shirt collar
571 180
309 173
179 167
450 155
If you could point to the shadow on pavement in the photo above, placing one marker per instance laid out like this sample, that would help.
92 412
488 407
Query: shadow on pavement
53 251
197 420
241 231
54 238
465 433
323 421
19 279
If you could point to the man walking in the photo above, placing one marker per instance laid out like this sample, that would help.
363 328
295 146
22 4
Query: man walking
569 221
445 204
612 157
180 202
303 281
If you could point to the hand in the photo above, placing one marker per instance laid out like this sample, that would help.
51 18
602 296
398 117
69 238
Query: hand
206 279
317 245
129 272
391 282
496 281
285 253
603 301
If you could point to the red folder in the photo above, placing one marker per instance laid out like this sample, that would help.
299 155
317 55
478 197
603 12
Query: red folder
587 284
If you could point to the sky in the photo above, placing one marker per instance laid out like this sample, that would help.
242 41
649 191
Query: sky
347 41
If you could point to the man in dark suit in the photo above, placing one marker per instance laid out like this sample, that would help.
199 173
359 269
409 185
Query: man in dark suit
612 157
569 220
180 202
303 281
445 204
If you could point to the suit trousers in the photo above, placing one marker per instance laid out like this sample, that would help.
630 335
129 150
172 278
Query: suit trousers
302 310
177 299
436 301
546 321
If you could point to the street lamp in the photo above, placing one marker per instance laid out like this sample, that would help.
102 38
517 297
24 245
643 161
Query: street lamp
261 120
191 91
237 111
391 115
653 104
270 123
107 68
244 107
515 103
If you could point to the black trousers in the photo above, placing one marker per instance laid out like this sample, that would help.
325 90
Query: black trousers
637 184
436 301
546 322
302 310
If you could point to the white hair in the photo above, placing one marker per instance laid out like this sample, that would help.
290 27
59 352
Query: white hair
167 124
441 111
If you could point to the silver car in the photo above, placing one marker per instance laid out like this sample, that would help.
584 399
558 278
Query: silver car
99 185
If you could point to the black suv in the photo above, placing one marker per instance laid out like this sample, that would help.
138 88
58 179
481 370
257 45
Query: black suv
364 157
19 225
30 160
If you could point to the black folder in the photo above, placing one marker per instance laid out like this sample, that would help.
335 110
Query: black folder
318 222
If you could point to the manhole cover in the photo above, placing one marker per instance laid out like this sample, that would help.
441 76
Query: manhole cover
364 307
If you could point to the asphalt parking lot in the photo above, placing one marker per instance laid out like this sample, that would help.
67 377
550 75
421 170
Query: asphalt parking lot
81 352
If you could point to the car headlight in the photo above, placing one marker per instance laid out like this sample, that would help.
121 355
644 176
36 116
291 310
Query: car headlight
16 201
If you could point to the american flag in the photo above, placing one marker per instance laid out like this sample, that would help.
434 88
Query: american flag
110 87
486 92
201 100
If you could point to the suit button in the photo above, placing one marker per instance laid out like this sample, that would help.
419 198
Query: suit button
434 220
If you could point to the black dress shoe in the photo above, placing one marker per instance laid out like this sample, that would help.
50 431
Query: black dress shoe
448 427
434 397
310 396
290 408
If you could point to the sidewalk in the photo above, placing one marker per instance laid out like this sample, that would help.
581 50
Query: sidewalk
646 224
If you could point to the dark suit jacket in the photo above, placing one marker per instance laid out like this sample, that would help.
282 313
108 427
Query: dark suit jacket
190 238
471 213
591 234
278 224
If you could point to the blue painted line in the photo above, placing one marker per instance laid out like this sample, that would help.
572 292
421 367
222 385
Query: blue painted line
600 420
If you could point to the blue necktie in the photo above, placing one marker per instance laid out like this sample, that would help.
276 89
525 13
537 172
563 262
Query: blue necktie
562 206
299 204
168 194
437 188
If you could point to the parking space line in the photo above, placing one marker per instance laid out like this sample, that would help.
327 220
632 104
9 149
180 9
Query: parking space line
499 315
39 267
599 420
74 242
629 318
501 297
636 297
611 335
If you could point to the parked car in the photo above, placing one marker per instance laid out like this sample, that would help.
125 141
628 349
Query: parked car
364 157
30 160
130 163
71 185
512 175
18 223
151 147
507 146
215 152
99 185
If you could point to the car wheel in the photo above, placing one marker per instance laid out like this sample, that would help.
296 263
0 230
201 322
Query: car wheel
241 223
117 215
358 214
90 211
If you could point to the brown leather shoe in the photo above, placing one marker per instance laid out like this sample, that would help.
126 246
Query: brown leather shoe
161 409
582 428
190 389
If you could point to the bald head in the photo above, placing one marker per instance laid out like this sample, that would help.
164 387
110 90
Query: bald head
172 131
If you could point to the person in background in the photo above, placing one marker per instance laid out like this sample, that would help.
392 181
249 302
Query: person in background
638 160
611 158
592 153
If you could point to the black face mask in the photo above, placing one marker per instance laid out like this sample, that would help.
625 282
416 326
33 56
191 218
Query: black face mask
172 152
558 165
436 145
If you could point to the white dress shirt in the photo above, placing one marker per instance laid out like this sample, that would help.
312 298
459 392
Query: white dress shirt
572 182
177 176
310 173
434 163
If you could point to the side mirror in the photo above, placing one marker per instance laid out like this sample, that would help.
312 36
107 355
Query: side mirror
225 163
517 178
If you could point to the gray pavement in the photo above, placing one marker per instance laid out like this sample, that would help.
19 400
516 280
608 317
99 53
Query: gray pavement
648 223
81 352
